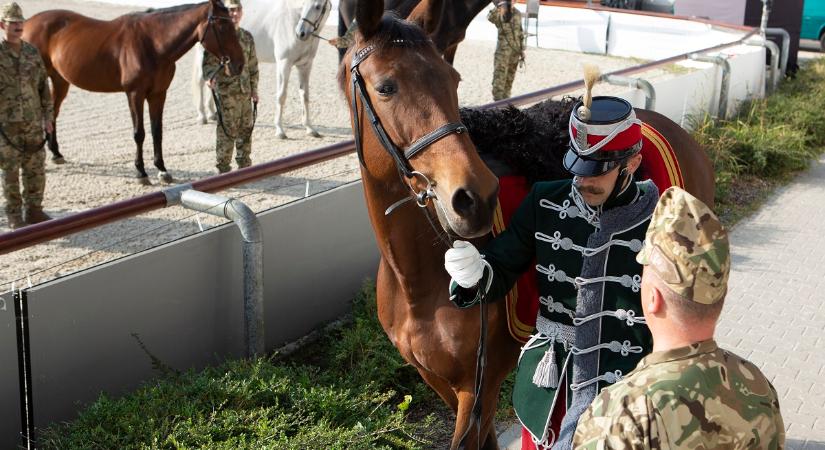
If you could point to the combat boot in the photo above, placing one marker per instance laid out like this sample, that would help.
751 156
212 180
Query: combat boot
36 215
15 220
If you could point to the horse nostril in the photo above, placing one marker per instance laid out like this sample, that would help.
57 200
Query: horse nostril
465 202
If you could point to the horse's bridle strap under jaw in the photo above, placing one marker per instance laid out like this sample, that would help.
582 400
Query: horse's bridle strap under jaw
401 158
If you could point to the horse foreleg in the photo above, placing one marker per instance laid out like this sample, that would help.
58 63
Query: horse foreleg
139 134
156 102
303 90
60 87
283 80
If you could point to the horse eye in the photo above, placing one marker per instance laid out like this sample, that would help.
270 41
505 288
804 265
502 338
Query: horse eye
387 88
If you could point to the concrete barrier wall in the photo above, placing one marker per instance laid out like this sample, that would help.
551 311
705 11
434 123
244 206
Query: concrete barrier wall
184 300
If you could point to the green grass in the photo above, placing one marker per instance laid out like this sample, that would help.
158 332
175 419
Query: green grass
356 392
767 142
351 389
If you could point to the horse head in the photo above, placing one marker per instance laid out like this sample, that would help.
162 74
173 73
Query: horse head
505 9
218 36
395 80
313 16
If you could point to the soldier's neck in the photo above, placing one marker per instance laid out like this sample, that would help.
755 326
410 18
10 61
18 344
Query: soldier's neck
672 336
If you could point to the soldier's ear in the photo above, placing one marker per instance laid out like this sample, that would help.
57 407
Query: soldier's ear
634 162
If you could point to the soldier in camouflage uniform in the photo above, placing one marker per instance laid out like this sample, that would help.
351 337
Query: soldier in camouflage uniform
236 94
509 50
26 111
688 393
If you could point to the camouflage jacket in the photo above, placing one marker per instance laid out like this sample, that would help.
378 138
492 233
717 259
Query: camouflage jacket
245 82
510 34
24 89
695 397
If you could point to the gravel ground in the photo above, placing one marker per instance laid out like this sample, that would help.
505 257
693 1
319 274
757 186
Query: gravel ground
95 136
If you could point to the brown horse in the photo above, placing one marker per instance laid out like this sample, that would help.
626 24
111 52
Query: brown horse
400 89
134 53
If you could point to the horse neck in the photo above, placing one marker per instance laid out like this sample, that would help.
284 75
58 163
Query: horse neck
406 239
178 31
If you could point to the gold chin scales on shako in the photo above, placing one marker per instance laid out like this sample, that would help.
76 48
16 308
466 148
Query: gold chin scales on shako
590 329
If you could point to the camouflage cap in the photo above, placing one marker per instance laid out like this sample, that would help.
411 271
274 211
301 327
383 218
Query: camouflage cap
687 247
232 4
11 12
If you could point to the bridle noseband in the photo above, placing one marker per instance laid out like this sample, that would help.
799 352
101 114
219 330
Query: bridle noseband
401 157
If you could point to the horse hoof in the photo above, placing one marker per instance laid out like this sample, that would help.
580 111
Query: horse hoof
202 120
281 135
313 133
213 117
164 177
144 181
58 160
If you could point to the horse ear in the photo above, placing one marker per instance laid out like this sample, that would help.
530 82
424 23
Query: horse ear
368 13
423 14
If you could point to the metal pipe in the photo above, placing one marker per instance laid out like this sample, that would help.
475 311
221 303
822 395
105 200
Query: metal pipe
636 83
766 12
771 46
786 46
722 109
253 255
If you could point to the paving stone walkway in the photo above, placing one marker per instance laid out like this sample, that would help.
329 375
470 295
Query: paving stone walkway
775 310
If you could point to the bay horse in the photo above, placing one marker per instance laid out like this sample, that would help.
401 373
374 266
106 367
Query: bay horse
444 21
283 33
134 53
402 93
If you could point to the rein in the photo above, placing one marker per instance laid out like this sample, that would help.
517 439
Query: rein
23 148
421 197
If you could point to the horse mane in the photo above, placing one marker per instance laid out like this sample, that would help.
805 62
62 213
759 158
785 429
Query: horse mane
172 9
392 31
530 142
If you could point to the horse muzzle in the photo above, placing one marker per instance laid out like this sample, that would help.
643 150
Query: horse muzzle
469 215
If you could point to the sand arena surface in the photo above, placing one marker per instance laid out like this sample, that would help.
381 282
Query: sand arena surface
95 133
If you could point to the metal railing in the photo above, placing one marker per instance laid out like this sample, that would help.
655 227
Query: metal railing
57 228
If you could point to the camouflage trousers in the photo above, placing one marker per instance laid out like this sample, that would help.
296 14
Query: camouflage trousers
236 132
29 162
505 63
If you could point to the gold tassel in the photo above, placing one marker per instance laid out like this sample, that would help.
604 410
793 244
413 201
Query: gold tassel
547 372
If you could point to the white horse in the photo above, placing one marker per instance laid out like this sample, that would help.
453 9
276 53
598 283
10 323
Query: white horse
283 31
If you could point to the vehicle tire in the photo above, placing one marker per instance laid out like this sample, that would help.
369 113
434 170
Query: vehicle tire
822 42
622 4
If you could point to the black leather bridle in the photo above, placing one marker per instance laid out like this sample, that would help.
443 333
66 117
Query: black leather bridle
401 157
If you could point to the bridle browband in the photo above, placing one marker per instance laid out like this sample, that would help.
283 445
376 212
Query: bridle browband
401 158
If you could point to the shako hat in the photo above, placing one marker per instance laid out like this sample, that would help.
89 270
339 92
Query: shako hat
604 131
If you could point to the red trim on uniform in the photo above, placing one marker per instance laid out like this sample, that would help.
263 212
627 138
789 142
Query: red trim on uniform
624 140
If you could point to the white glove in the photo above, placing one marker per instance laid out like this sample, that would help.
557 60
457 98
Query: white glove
463 262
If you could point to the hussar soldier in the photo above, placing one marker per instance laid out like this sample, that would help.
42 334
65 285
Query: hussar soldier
236 96
509 48
580 238
688 393
26 111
